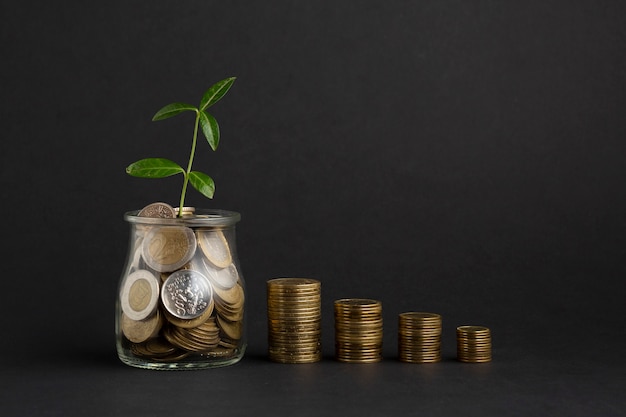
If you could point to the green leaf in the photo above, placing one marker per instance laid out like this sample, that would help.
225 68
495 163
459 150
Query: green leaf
210 129
171 110
216 92
202 183
154 168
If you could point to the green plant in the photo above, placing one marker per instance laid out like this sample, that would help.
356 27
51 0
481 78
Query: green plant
161 167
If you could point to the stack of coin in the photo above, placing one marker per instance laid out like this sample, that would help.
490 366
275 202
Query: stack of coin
294 320
419 337
358 330
473 344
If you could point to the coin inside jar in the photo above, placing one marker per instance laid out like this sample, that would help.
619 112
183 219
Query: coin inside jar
187 294
138 331
139 295
225 278
215 247
168 248
161 210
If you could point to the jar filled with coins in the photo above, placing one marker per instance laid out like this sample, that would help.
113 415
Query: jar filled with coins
181 295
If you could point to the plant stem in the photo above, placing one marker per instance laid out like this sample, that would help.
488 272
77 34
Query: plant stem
191 156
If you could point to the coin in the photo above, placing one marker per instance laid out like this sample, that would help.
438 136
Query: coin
191 340
187 211
294 320
194 322
161 210
232 329
293 283
167 248
220 352
473 344
358 304
187 294
215 247
158 346
419 337
358 330
224 278
138 331
295 358
140 294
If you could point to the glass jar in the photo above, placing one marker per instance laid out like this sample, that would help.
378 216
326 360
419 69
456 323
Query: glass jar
181 295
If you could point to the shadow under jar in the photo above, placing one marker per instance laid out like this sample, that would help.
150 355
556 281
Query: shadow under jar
181 298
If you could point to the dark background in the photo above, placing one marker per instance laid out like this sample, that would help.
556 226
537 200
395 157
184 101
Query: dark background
459 157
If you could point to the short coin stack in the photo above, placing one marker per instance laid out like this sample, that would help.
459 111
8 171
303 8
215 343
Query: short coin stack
419 337
294 320
358 330
473 344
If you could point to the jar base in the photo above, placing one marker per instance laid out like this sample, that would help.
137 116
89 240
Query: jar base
191 362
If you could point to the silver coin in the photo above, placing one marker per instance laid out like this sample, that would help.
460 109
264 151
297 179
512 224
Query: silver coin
186 294
167 248
160 210
224 278
140 295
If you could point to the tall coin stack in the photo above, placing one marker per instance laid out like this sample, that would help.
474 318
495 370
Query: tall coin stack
473 344
419 337
358 330
294 320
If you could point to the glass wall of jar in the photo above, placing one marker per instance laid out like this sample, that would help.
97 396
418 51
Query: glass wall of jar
181 299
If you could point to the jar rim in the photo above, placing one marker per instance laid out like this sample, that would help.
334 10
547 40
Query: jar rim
201 217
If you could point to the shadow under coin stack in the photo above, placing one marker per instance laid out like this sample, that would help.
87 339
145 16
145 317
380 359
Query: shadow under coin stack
419 337
358 330
294 320
473 344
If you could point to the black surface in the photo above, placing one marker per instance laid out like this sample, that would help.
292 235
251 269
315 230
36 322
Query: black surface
460 157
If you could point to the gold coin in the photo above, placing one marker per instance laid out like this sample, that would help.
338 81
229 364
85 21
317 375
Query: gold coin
419 317
359 303
369 359
158 346
232 296
295 358
184 340
420 360
140 294
473 330
474 344
294 335
138 331
294 283
220 352
194 322
295 301
293 329
232 329
230 344
168 248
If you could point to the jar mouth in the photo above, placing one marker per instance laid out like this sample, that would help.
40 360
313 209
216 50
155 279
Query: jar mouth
201 217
